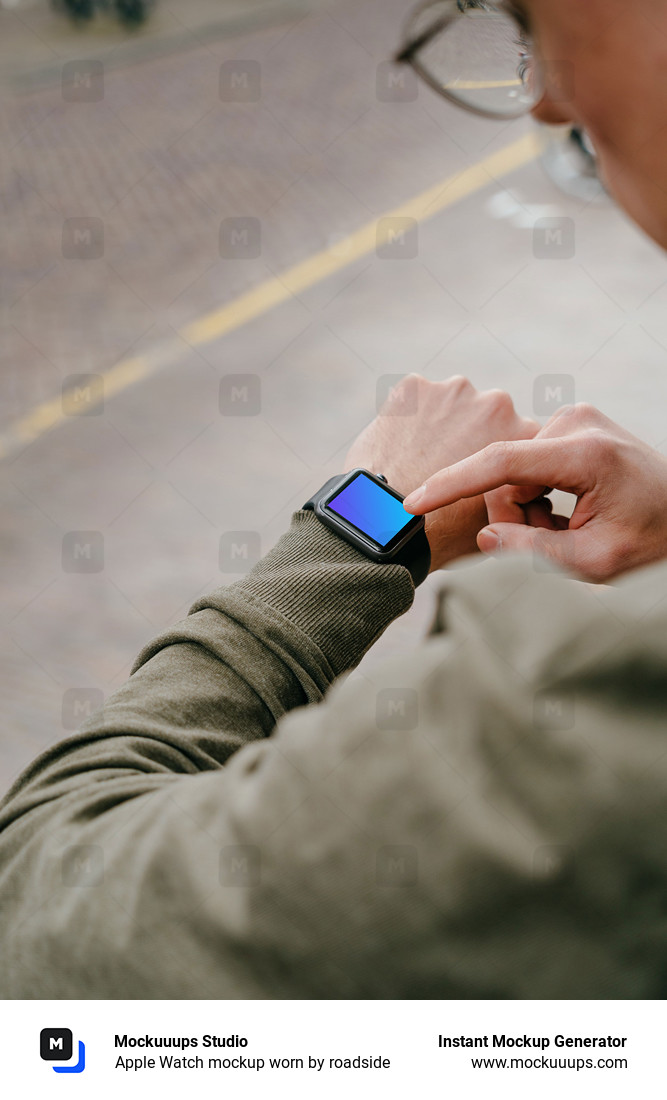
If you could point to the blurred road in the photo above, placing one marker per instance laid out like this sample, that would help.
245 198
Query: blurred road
141 443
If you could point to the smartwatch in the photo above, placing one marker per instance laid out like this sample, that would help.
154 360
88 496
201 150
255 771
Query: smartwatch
364 510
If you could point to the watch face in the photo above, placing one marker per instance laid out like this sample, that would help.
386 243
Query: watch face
377 512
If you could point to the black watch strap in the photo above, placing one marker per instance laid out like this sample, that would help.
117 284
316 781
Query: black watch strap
326 488
415 555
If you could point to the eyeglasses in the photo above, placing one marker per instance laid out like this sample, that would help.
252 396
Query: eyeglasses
477 54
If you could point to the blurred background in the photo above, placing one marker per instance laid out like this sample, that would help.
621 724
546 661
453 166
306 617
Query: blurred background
226 232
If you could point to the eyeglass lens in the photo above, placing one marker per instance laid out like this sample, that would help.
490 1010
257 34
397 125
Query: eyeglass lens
480 57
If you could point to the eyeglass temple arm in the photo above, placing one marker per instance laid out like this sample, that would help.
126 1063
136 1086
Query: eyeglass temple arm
407 52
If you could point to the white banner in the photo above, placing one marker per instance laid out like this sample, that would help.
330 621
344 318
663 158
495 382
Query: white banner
255 1049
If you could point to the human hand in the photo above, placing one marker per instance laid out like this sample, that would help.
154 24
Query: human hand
620 520
424 425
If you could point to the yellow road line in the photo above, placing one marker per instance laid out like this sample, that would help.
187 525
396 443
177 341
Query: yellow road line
49 413
361 243
272 292
476 85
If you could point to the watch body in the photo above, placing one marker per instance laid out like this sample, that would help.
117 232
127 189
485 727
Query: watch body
364 510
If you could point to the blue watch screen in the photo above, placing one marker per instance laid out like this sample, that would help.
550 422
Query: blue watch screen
371 509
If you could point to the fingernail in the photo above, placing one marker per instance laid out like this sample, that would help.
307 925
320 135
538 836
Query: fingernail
414 498
492 541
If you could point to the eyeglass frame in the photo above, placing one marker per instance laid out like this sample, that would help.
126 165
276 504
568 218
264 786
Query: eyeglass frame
407 55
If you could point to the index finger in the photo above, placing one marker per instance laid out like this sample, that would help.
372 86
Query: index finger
552 462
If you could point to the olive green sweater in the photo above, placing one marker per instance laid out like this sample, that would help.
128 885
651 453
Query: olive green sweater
484 817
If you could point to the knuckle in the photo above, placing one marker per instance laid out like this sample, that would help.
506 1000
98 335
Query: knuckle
607 562
459 383
604 446
501 495
588 413
408 383
501 452
403 392
566 412
497 501
582 413
499 400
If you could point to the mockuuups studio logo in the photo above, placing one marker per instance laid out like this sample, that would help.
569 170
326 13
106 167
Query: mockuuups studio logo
240 81
83 239
239 551
397 865
240 395
394 85
83 81
83 395
397 709
397 239
56 1045
83 552
406 406
553 239
551 392
240 238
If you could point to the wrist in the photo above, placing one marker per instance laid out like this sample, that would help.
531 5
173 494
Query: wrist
329 590
364 510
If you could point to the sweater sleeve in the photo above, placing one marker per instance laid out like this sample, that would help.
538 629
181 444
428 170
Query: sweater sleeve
81 829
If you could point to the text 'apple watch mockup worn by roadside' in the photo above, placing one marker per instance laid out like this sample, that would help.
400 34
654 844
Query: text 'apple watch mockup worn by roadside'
364 510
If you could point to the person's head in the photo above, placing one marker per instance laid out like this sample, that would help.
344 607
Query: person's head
604 65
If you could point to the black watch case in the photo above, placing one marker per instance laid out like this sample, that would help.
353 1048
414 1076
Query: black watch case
389 553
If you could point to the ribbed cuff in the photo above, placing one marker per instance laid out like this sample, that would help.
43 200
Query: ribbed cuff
339 598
